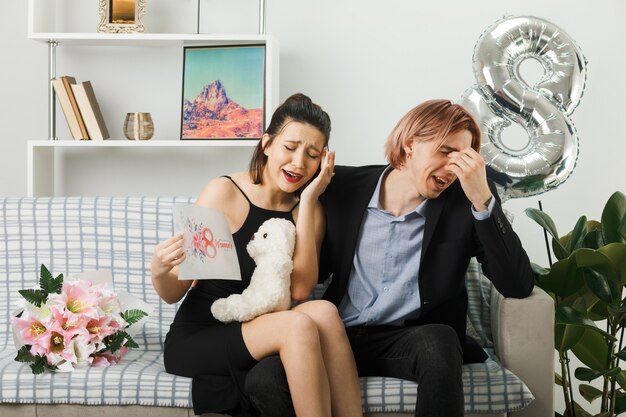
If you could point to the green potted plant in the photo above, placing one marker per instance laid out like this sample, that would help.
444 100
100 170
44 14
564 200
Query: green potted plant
587 283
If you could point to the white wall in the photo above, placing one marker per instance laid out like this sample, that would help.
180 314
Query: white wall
367 62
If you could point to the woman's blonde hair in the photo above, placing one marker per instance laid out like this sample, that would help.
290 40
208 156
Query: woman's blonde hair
430 120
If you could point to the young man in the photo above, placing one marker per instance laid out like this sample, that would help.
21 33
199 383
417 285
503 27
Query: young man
398 242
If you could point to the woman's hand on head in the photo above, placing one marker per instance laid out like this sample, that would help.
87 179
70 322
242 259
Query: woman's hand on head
318 185
167 255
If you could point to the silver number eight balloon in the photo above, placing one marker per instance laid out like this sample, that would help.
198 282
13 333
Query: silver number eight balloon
502 96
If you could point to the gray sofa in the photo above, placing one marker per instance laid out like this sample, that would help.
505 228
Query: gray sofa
74 234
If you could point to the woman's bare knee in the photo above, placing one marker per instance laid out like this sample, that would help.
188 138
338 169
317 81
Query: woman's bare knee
301 329
323 313
271 333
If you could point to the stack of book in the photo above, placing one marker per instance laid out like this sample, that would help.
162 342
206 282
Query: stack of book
81 108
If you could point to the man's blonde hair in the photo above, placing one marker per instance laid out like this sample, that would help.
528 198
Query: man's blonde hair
430 120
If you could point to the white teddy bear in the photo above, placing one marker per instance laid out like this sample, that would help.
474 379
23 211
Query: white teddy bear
272 248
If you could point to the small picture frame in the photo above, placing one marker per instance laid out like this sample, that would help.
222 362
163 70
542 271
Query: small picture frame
223 92
121 16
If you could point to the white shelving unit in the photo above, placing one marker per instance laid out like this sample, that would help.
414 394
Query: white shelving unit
41 156
149 39
43 27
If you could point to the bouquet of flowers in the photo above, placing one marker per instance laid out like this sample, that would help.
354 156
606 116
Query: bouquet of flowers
79 322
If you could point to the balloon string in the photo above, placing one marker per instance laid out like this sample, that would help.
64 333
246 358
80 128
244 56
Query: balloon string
545 236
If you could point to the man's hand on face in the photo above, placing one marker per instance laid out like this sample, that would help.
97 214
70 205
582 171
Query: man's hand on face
470 168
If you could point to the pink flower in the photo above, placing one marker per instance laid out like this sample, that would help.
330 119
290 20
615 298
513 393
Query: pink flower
100 361
108 302
57 344
70 328
108 358
199 242
35 327
30 329
78 298
104 326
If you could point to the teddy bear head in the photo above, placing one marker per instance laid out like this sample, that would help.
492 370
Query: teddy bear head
275 236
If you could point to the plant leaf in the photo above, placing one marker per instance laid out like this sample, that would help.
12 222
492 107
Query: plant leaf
542 219
538 269
580 412
597 261
589 392
114 342
563 278
40 365
559 251
586 374
576 236
613 372
620 402
618 312
593 351
616 253
594 239
546 222
48 283
130 342
133 316
35 297
612 216
599 285
598 311
586 302
578 301
621 354
44 275
567 315
24 355
566 336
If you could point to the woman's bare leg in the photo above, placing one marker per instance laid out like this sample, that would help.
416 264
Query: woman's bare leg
294 336
345 392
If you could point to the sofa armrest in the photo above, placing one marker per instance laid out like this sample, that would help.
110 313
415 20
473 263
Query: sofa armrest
523 337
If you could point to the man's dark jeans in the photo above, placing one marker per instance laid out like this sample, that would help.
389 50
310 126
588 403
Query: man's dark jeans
429 354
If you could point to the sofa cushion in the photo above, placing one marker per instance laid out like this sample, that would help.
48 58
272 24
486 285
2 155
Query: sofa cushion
488 388
71 235
478 305
138 379
74 234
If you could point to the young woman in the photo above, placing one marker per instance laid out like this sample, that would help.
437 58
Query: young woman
289 170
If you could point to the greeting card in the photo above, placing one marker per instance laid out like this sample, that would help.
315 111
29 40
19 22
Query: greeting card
207 242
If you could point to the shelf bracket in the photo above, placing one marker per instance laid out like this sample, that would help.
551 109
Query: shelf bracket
52 73
261 17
